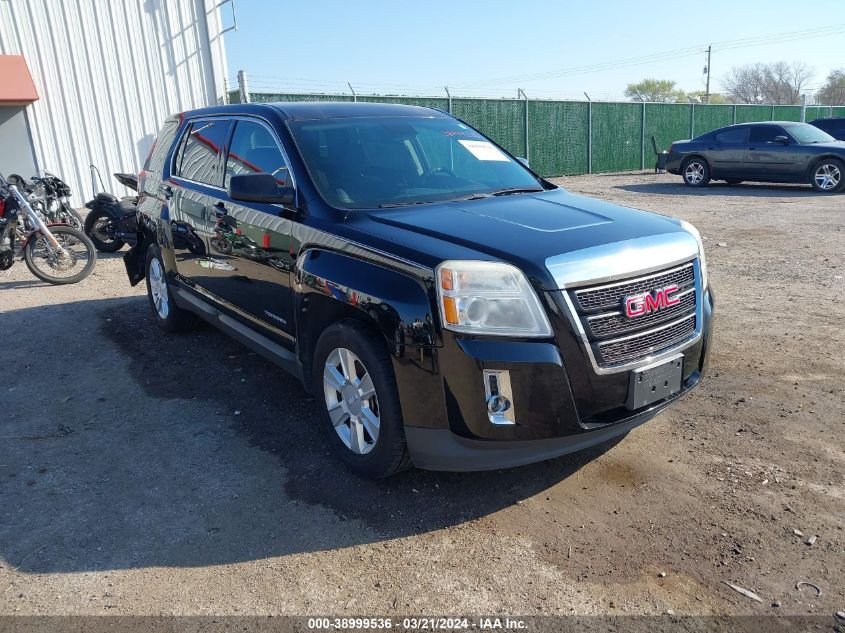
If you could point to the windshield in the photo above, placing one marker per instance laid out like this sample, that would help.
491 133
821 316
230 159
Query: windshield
806 133
363 163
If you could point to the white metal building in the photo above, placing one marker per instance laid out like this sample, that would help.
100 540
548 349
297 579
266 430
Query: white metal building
107 73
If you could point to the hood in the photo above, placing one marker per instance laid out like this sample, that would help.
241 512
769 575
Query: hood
522 229
837 146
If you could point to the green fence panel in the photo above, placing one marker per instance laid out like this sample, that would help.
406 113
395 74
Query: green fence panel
503 120
710 117
557 135
616 136
751 113
667 123
426 102
265 97
787 113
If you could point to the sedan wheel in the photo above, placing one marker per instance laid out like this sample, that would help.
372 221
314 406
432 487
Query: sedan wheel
696 173
158 289
351 401
827 176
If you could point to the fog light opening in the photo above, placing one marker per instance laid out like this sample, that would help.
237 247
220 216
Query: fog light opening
499 397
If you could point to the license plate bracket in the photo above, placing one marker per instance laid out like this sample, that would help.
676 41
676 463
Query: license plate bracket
655 382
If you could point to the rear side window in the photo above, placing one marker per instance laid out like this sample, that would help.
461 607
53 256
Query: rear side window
161 146
254 150
732 137
199 151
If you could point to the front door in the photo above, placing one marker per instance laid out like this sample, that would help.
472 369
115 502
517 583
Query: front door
252 240
194 187
772 159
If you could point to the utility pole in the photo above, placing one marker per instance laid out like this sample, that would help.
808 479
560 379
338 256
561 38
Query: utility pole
243 88
707 92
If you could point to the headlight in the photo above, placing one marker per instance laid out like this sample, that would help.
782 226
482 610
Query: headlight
689 228
488 298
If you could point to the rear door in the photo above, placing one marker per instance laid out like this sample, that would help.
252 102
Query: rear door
196 187
252 240
726 152
769 159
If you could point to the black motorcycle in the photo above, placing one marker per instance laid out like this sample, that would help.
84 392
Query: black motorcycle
111 221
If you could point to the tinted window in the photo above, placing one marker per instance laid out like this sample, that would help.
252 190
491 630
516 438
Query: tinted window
254 150
199 150
765 133
161 146
363 163
733 136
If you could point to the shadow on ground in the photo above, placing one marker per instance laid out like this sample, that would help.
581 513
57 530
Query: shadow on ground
133 448
722 189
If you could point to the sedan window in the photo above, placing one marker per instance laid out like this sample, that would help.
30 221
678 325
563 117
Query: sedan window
806 133
765 133
733 136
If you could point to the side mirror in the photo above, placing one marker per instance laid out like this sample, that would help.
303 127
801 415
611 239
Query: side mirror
783 140
260 188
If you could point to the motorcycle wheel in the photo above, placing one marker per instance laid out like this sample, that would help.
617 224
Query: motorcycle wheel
71 217
95 225
80 256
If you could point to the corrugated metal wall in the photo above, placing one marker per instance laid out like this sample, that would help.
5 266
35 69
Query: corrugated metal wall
108 72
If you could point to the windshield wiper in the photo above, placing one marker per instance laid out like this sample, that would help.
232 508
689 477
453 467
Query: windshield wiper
512 190
390 205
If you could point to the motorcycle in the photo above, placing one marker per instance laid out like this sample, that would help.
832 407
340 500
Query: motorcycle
49 196
112 222
55 253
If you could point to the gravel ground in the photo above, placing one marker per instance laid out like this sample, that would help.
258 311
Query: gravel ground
148 474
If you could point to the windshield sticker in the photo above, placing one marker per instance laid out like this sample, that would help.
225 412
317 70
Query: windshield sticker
484 150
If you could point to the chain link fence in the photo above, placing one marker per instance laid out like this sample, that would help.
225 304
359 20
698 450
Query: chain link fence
565 138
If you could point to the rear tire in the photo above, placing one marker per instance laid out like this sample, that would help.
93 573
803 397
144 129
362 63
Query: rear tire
93 223
355 389
828 175
695 172
169 317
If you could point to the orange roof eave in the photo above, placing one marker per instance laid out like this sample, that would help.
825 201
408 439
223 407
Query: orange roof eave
17 87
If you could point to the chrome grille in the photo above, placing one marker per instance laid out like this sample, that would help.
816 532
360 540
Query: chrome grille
616 340
642 345
611 295
616 323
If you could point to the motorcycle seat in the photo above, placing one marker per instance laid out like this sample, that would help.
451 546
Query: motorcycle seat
106 198
127 205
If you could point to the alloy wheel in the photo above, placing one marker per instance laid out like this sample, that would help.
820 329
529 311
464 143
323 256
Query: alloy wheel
351 401
158 289
694 173
828 176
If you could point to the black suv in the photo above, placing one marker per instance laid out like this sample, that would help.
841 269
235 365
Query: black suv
446 306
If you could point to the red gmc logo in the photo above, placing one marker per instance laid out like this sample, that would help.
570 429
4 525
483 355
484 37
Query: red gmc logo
638 305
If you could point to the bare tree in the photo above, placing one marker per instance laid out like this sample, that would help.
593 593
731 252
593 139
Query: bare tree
779 83
833 91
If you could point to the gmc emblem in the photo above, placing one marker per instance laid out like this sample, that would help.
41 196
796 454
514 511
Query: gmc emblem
638 305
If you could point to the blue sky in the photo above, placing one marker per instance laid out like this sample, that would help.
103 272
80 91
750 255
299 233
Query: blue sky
419 47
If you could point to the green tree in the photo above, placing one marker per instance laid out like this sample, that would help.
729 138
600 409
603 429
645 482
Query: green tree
657 90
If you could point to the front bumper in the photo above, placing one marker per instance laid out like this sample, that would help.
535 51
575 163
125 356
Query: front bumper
561 405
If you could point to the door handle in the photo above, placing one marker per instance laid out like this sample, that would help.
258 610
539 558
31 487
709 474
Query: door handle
220 210
167 191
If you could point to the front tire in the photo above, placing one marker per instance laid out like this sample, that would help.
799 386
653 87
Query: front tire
95 228
356 392
169 317
51 268
828 175
695 172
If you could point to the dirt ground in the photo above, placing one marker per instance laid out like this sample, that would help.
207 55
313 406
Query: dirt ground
147 474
